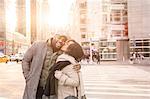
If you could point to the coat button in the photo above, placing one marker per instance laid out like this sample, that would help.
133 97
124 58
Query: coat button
34 89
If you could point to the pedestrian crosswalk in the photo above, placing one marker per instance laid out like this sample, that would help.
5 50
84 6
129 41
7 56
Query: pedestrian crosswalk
100 86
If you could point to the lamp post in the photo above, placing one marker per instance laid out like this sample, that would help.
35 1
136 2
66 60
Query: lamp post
13 43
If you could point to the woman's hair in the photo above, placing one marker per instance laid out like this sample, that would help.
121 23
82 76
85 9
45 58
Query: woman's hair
75 50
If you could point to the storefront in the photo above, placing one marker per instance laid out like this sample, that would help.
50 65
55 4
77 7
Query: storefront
15 43
2 46
15 47
107 50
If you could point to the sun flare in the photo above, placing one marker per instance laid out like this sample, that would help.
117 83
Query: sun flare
59 12
11 16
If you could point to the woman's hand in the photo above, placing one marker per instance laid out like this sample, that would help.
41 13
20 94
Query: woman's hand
77 67
58 74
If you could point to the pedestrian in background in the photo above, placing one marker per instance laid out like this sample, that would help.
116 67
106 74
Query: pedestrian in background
98 58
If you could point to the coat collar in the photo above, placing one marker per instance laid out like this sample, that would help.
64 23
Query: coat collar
49 42
66 57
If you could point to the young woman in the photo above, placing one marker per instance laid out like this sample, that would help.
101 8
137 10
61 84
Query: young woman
69 80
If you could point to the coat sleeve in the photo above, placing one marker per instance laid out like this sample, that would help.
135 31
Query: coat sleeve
69 78
26 62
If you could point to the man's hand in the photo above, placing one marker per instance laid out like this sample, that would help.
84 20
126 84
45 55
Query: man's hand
77 67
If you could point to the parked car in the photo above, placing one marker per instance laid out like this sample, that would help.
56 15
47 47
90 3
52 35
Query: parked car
4 58
17 57
12 58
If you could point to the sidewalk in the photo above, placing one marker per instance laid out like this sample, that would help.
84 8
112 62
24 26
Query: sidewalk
145 61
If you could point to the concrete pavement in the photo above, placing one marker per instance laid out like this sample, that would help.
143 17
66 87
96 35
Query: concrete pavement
116 81
103 81
144 62
11 81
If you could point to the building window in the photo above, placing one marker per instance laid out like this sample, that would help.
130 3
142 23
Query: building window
146 43
83 36
105 8
104 19
83 5
116 33
117 19
146 49
139 44
83 29
103 44
83 21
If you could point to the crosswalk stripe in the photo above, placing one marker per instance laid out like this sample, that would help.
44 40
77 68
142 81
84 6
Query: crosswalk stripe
114 93
99 85
3 98
116 89
110 87
120 89
114 84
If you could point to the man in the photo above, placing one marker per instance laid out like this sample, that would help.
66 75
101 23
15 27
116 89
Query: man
36 64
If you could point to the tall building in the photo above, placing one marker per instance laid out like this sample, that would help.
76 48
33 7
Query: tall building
33 6
21 17
83 23
139 28
103 28
57 17
90 24
26 21
114 40
94 19
73 29
15 33
2 26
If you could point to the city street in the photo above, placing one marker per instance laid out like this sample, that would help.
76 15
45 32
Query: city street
11 81
101 81
112 37
117 81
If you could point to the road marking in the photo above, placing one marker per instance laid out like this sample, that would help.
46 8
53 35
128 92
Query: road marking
114 84
120 89
114 93
3 98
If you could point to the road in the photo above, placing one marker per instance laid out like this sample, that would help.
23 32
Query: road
100 81
11 81
116 81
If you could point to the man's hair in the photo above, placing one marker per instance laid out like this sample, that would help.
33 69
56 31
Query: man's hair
75 50
59 36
